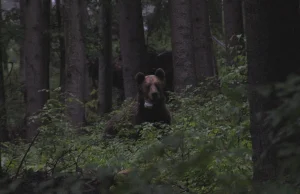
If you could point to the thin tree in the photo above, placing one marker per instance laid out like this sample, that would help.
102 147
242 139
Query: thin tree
84 26
36 57
3 127
271 58
75 62
22 62
132 43
182 45
202 39
60 29
105 58
46 11
233 27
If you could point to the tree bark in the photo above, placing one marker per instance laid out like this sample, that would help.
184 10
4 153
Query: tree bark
22 62
105 60
202 39
271 58
3 127
233 26
182 45
46 11
37 60
84 24
75 62
132 42
61 44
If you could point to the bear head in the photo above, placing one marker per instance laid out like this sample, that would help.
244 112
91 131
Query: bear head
151 88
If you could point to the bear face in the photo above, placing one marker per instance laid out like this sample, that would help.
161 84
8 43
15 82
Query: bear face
151 88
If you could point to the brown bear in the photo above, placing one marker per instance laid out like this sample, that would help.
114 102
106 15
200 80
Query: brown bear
149 105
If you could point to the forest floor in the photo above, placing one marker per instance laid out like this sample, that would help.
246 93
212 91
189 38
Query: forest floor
207 148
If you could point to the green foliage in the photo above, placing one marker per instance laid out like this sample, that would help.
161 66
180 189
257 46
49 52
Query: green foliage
207 148
285 122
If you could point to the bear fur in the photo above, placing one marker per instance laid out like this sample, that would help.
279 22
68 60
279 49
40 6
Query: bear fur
148 106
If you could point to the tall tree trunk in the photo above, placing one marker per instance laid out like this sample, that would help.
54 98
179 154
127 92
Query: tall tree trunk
202 39
182 45
271 59
61 44
46 11
3 127
233 26
22 62
132 42
84 25
75 62
105 62
36 58
244 18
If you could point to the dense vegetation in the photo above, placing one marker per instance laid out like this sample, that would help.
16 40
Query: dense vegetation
206 149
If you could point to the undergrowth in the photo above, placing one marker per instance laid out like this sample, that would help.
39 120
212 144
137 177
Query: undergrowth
207 149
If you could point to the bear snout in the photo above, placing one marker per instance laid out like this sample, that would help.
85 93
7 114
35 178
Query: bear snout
154 96
153 93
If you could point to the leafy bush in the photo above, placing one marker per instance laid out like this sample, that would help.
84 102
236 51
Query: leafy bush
207 148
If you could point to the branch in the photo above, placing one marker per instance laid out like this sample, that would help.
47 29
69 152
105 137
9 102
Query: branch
77 160
219 42
10 162
60 157
27 151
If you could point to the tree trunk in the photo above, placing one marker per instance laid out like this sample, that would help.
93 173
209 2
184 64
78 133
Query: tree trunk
244 18
3 127
233 26
105 60
132 42
61 44
46 11
36 55
22 62
75 62
84 22
202 39
271 59
182 45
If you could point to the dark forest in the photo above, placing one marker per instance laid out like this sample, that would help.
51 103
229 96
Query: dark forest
149 96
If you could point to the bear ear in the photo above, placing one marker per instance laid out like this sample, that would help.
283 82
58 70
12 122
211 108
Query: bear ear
139 78
160 73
